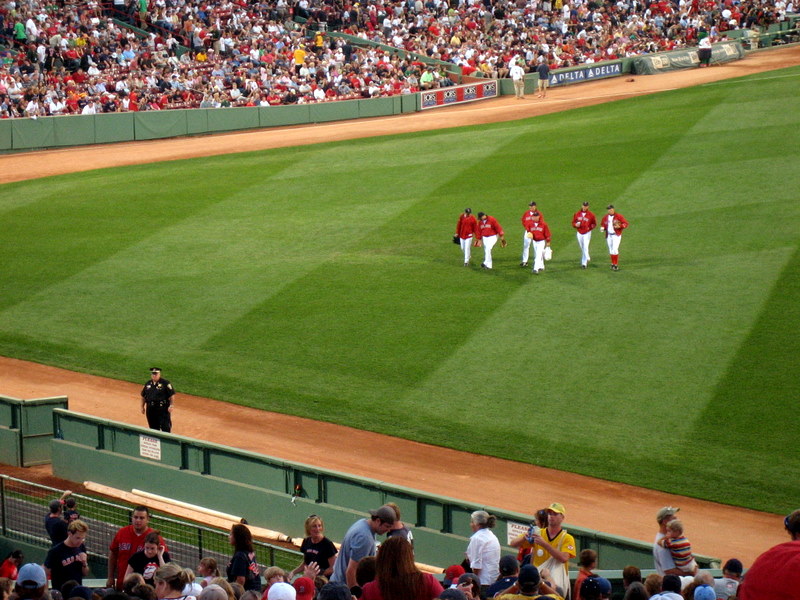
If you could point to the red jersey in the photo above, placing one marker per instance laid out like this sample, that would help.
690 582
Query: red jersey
127 543
623 224
584 221
488 226
527 218
467 226
540 231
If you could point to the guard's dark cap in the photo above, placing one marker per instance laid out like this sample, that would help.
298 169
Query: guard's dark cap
155 369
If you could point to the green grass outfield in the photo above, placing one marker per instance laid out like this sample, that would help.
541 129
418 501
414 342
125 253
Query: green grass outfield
321 281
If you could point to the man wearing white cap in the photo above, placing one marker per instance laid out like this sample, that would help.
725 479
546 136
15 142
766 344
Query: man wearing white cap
554 547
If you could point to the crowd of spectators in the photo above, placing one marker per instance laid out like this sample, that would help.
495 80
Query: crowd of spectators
71 58
139 566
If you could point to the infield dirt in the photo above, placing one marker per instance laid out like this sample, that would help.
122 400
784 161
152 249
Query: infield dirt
715 529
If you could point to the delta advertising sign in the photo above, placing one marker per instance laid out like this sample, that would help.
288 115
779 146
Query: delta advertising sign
587 73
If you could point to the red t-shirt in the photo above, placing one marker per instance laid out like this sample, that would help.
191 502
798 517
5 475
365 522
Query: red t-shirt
126 543
431 589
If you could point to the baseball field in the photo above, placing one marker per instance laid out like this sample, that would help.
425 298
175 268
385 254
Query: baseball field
320 281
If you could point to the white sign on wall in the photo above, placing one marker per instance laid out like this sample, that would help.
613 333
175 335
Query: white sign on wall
149 447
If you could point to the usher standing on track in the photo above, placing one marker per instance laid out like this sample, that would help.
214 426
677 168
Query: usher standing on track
157 397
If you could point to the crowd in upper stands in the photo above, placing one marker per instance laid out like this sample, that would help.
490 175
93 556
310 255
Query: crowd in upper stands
71 58
139 566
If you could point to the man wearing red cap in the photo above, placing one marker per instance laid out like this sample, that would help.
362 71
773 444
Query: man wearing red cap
305 588
554 547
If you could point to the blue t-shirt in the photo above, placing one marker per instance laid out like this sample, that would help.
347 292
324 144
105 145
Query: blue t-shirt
358 542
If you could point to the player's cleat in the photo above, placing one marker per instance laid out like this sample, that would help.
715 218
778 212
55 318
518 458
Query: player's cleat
583 266
523 264
615 267
483 266
466 264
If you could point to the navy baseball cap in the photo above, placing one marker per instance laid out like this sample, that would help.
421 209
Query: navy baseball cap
595 587
155 369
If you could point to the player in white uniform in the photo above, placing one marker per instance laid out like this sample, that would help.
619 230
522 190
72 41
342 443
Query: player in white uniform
584 221
613 224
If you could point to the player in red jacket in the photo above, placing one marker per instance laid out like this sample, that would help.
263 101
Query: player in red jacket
540 238
466 229
527 219
613 224
584 221
488 232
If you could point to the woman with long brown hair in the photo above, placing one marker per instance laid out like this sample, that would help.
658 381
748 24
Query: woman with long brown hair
397 577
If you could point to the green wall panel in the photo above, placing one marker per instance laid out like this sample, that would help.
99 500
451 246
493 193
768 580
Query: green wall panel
33 133
230 119
5 134
155 124
10 446
197 121
74 130
276 116
333 111
114 127
376 107
409 102
248 470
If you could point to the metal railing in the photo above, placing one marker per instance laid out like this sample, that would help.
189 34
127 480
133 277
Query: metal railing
24 505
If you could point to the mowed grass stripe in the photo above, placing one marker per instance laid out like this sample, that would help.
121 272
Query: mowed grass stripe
371 321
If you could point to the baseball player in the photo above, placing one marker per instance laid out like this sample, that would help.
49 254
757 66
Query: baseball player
527 219
466 229
540 238
488 232
584 221
613 224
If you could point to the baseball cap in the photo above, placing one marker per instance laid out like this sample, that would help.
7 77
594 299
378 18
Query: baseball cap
610 206
665 512
595 587
304 588
704 592
281 591
532 204
385 513
452 573
334 591
508 564
557 507
585 204
155 369
468 211
528 578
734 565
31 576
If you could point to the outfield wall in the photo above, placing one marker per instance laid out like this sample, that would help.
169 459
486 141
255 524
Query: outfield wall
279 494
79 130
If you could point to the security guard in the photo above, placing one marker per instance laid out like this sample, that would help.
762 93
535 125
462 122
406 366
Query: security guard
157 401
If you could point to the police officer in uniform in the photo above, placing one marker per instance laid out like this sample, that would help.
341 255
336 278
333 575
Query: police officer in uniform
157 401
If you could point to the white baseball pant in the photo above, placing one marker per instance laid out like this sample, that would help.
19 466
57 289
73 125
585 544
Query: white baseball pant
538 255
466 248
583 243
488 244
526 247
613 241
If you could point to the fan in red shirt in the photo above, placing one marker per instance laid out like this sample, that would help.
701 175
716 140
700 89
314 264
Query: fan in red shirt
128 541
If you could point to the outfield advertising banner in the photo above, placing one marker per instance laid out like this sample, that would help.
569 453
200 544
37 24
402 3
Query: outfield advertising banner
607 69
459 94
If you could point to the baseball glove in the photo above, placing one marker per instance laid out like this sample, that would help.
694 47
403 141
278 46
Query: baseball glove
548 253
455 239
503 243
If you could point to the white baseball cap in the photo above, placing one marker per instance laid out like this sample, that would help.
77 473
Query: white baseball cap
281 591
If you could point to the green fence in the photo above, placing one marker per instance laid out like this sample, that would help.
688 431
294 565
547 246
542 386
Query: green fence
279 494
26 428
